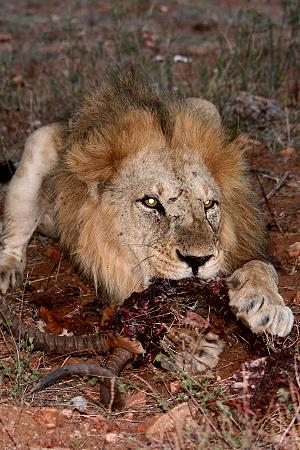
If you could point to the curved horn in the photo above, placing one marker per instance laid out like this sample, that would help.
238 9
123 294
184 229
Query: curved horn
113 397
103 342
90 369
115 364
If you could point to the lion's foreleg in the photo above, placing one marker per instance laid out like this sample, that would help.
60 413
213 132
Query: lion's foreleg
22 211
254 298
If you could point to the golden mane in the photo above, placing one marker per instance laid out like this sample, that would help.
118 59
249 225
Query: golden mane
116 122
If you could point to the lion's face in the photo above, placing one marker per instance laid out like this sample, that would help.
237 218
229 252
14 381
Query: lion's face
173 207
154 189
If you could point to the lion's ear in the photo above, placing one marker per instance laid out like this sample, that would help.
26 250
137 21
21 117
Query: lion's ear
205 108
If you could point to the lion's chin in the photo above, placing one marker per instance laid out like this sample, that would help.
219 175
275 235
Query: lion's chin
207 275
212 268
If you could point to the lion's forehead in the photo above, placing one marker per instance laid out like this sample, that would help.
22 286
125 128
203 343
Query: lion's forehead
156 173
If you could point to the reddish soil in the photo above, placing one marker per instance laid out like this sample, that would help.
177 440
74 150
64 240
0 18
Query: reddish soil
48 419
53 283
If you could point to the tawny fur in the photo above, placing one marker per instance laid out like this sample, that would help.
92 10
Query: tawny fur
85 180
117 122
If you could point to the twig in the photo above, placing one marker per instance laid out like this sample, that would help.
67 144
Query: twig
263 171
286 432
8 433
269 207
46 278
280 183
270 177
50 274
288 127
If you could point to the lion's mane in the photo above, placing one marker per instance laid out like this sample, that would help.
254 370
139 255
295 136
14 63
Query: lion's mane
115 122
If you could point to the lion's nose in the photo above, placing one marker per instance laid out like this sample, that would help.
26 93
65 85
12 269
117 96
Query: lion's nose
194 261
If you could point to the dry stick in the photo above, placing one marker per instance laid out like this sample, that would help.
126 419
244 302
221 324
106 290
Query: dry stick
8 433
269 207
280 183
51 273
263 171
287 430
288 127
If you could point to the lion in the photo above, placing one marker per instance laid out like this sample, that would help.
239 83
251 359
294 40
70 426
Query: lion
139 185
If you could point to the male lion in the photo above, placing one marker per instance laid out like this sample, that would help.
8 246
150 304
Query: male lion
139 185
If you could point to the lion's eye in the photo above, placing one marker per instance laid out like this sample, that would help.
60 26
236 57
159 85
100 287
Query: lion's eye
151 202
209 203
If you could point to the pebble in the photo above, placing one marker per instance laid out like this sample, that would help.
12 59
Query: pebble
79 402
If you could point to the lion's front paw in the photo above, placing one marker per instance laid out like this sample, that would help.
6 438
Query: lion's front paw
255 300
11 272
197 355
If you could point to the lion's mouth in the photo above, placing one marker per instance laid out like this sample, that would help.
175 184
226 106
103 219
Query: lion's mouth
194 262
177 270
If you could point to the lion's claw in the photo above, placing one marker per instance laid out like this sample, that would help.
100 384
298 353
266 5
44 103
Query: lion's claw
255 300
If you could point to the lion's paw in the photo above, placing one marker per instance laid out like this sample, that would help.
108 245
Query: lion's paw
255 300
11 271
197 356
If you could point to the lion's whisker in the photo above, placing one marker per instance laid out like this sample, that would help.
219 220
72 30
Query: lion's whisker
143 260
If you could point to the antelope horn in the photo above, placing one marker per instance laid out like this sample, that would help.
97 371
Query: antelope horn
90 369
103 342
110 393
114 399
115 364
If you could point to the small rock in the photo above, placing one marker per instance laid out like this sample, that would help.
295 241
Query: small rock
294 250
36 123
79 402
176 417
175 387
158 58
252 109
181 58
163 8
112 438
288 151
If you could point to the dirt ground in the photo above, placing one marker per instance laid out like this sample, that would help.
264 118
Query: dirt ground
49 56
